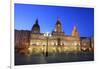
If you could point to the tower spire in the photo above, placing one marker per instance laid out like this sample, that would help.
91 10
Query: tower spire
58 27
58 18
36 22
75 32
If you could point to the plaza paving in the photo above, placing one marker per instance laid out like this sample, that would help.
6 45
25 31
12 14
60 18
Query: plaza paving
52 58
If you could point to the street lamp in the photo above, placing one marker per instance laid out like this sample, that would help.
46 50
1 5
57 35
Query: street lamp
47 35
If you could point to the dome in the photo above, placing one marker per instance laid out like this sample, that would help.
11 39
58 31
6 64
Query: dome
36 27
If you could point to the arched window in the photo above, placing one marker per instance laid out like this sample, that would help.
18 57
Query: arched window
37 43
52 43
75 43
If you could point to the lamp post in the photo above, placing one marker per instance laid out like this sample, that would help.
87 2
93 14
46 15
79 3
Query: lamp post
47 35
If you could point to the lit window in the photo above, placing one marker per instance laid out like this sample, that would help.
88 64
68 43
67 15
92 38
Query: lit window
52 43
37 43
44 44
84 44
75 43
56 43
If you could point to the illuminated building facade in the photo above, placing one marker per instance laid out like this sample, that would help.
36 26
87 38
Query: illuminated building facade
22 40
57 40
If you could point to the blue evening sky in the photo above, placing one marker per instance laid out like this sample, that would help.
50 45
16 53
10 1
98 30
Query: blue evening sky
83 18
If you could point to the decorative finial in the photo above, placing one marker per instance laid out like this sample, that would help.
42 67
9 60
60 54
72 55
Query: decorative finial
58 18
37 21
75 29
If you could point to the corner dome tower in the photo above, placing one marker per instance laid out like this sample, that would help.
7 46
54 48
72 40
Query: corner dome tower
36 27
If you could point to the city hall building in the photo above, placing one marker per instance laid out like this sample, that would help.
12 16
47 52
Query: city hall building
54 41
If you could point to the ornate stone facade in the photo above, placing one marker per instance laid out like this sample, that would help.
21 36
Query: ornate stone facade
57 40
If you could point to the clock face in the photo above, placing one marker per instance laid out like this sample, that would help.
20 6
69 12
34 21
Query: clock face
58 25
